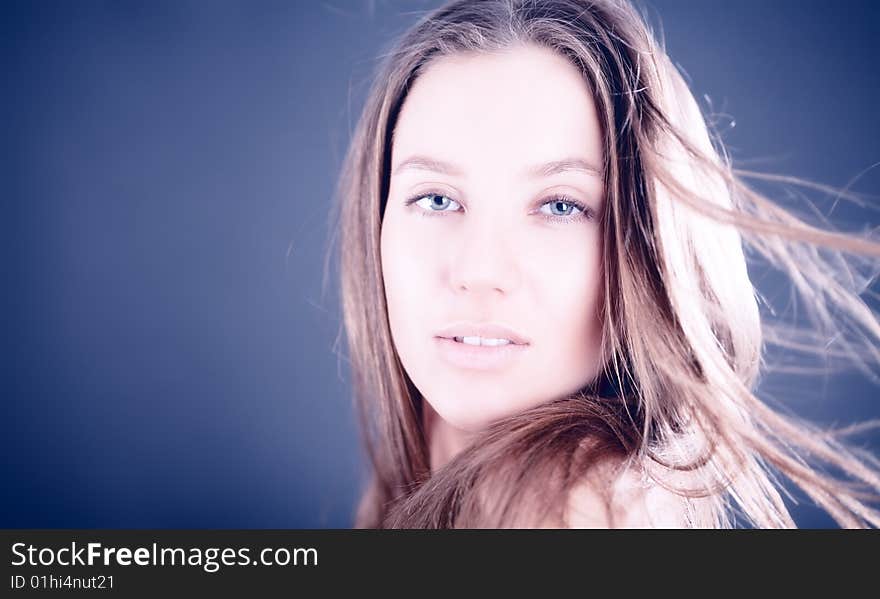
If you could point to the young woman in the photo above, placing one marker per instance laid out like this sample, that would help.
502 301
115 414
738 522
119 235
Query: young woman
545 294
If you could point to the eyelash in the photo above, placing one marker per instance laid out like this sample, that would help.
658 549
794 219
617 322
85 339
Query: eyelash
586 213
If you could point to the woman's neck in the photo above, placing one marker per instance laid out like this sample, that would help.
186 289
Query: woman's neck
444 440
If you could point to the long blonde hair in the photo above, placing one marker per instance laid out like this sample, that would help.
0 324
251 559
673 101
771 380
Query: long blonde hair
683 335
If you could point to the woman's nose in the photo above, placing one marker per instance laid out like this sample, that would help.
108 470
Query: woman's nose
482 261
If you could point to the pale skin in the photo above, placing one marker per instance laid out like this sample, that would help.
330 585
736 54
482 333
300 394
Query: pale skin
498 152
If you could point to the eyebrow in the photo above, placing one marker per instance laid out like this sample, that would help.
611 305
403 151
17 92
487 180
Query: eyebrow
554 167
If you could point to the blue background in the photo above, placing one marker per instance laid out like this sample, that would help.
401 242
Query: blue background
170 345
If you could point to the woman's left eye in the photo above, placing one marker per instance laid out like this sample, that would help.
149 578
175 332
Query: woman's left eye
562 208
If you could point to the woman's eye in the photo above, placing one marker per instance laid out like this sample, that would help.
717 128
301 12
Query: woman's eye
436 202
560 207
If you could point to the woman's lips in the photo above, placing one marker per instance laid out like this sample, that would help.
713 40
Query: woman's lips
478 357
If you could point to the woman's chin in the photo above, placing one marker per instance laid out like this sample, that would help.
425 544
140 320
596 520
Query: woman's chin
470 415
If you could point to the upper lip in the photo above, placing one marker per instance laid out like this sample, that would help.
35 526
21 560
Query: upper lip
486 330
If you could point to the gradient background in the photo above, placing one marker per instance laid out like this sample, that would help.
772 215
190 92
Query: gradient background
170 353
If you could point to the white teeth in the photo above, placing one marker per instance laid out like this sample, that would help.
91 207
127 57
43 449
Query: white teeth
495 341
481 341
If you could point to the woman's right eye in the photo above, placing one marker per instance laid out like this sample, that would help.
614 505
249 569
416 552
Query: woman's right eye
434 202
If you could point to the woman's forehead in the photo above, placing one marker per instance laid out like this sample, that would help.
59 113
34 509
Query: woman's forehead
521 108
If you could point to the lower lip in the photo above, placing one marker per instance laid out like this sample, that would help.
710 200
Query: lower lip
478 357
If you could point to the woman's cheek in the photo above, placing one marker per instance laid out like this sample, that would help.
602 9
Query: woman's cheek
561 248
411 259
566 271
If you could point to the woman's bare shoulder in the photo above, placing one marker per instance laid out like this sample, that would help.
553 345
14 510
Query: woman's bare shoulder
606 499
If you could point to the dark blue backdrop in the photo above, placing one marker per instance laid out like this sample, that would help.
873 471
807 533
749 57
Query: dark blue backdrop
169 355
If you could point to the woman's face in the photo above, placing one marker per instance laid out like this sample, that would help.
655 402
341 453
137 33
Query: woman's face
482 237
